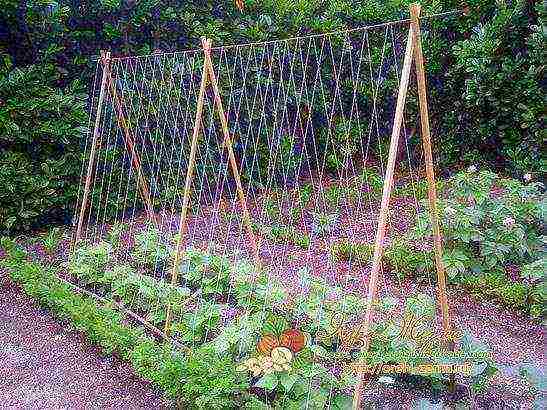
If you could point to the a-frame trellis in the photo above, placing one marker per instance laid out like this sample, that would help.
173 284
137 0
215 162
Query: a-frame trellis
208 76
413 53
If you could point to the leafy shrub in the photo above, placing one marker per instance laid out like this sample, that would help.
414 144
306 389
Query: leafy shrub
207 271
240 336
150 248
196 326
41 128
492 228
405 260
145 294
500 69
253 291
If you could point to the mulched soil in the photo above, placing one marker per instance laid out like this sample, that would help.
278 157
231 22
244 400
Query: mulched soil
44 365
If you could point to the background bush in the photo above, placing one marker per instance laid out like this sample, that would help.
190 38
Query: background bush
478 66
41 127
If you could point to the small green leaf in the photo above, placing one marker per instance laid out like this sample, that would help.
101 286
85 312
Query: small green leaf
341 402
268 381
288 380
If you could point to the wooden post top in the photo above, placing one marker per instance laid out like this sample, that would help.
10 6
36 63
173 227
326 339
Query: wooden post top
415 10
206 44
105 56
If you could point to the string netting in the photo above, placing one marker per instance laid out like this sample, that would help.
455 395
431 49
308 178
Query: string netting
310 120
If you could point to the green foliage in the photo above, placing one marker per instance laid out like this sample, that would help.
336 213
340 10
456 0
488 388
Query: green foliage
501 70
160 364
254 292
335 195
52 239
210 381
101 324
372 180
351 251
150 247
478 65
287 234
89 264
41 128
293 392
498 286
240 336
196 326
404 260
416 189
323 223
324 307
147 295
206 376
341 143
114 234
271 208
206 270
493 229
194 378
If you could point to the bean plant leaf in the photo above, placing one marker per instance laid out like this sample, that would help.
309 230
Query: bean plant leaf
341 402
288 380
268 381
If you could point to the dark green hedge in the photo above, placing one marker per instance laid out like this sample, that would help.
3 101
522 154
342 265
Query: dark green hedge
485 74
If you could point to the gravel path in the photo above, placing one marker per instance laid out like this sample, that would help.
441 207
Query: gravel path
45 366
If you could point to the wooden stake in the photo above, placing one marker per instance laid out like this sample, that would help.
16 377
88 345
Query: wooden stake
105 60
384 208
232 158
124 310
432 190
189 176
130 144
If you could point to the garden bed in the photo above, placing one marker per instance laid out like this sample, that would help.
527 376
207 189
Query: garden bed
308 291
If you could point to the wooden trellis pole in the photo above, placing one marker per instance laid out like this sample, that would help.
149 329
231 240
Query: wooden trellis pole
107 85
130 145
188 184
232 158
431 187
105 60
384 209
413 47
208 74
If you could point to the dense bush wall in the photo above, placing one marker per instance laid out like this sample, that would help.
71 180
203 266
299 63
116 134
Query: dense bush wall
485 70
